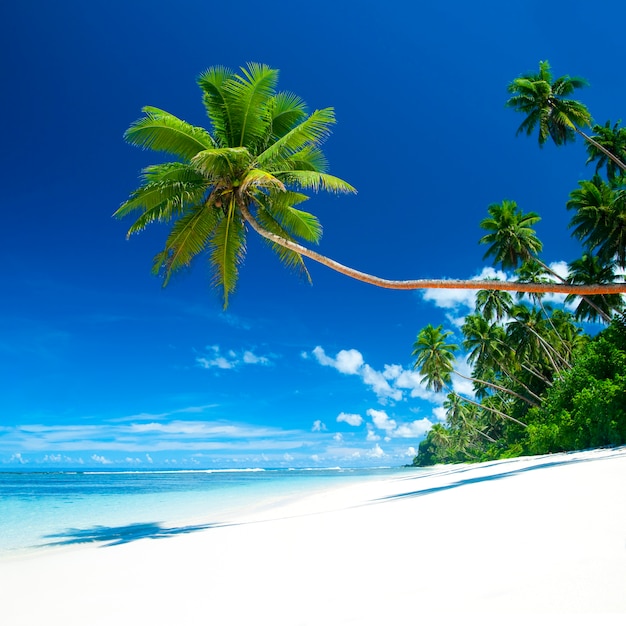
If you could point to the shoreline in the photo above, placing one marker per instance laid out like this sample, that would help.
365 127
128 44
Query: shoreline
539 535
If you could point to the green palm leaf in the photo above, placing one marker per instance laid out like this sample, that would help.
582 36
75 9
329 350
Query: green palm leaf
247 99
228 249
311 131
288 110
316 181
160 130
216 163
212 83
188 238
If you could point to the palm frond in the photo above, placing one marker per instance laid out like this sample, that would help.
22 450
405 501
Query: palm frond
248 99
260 179
187 239
288 110
315 181
294 221
162 131
309 158
212 83
310 132
218 162
289 258
228 249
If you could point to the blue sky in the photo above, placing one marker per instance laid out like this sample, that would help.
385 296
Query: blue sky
102 366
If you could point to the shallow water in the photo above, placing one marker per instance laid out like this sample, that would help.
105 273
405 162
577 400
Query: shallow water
46 509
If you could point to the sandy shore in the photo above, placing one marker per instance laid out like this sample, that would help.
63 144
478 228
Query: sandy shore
543 535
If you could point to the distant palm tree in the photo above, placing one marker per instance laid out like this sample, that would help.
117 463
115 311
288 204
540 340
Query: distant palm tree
547 107
600 219
493 304
613 140
590 269
511 239
435 361
251 169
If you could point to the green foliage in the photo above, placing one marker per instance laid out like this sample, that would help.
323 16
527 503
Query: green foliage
262 150
586 408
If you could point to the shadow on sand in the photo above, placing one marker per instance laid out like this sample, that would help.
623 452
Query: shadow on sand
497 476
118 535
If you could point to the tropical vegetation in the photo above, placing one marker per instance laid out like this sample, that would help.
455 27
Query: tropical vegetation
542 380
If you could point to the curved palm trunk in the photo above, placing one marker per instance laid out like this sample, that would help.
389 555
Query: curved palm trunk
458 395
426 283
497 387
536 374
601 313
487 408
517 381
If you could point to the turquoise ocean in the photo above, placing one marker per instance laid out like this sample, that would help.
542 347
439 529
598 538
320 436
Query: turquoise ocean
43 510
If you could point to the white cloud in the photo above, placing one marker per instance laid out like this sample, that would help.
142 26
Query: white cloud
413 430
381 421
350 418
318 426
346 361
379 384
455 299
100 459
215 359
371 434
338 437
410 452
376 452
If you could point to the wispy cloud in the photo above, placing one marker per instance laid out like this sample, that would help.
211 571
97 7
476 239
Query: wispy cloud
214 358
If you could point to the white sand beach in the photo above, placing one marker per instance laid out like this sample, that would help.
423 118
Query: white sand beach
505 540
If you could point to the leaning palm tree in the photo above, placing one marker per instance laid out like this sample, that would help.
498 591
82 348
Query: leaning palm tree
589 268
252 168
613 140
264 148
435 361
600 218
547 107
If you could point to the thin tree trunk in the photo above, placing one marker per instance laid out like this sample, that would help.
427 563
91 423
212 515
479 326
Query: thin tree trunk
487 408
496 285
498 387
603 315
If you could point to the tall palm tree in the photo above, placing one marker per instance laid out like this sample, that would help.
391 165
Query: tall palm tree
613 140
251 169
547 107
511 238
589 268
493 304
434 356
600 218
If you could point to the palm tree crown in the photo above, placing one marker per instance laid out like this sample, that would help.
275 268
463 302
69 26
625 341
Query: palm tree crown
546 106
511 239
263 149
613 140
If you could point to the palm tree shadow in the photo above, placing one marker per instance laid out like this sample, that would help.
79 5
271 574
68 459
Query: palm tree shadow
488 477
118 535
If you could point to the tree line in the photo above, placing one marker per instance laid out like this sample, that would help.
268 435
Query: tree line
541 384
